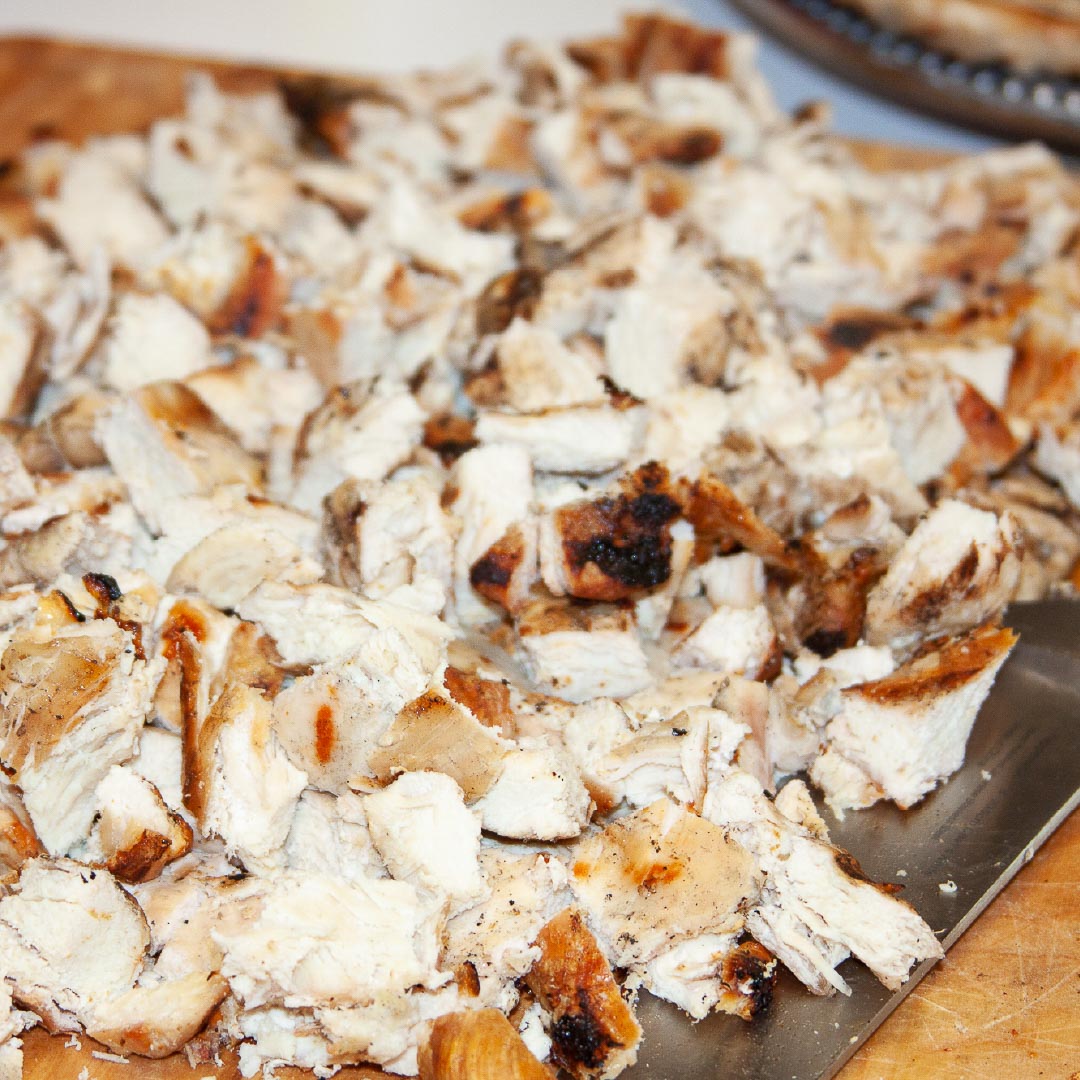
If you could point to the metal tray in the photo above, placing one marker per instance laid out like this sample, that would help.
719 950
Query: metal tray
985 96
974 831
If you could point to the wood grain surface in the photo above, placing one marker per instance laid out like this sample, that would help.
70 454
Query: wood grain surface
1004 1004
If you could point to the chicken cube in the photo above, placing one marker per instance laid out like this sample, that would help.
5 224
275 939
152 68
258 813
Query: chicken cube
311 940
497 936
594 1032
244 788
582 653
135 834
658 876
538 795
152 337
73 708
589 439
427 837
164 443
329 835
908 730
72 940
959 567
816 906
494 490
741 641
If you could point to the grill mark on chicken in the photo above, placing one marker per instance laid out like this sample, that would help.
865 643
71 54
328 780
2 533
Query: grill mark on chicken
108 594
487 699
850 866
618 546
321 107
325 734
491 575
253 304
592 1028
991 444
508 211
940 667
749 974
140 861
721 519
449 436
514 294
833 616
929 602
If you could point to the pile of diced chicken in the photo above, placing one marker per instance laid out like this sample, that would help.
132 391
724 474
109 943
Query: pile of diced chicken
438 516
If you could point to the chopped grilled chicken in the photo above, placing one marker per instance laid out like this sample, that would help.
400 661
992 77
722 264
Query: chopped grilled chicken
958 568
594 1034
580 653
316 624
261 404
494 489
661 759
239 782
736 640
917 404
712 973
164 443
98 204
353 501
150 338
329 835
480 1045
733 581
816 906
356 435
908 730
135 834
537 795
404 546
438 734
18 842
179 1009
236 559
20 358
73 941
73 707
331 721
311 940
540 372
579 439
390 1031
1057 456
659 876
180 908
427 837
614 547
12 1022
495 939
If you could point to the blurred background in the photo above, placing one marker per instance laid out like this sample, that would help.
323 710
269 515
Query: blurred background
380 35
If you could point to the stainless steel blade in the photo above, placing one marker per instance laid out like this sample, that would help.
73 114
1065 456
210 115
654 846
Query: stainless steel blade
974 831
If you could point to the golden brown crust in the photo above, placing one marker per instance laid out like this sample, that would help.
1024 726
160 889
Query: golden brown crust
487 699
478 1045
434 732
940 668
253 304
722 520
594 1033
492 575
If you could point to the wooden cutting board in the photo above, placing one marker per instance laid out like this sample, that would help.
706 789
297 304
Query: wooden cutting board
1007 997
